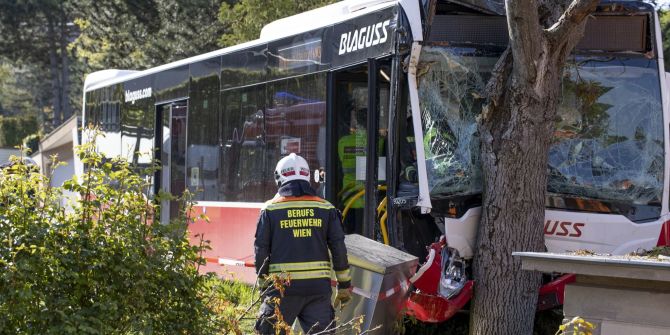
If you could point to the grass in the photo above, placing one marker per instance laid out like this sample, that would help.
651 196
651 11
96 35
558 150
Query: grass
659 251
231 301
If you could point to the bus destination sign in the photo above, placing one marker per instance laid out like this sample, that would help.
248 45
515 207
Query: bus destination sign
300 55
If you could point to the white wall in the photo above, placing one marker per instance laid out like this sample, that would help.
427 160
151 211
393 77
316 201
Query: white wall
60 175
6 152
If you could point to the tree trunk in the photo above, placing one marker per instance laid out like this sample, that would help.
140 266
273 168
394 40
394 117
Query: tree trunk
516 129
514 159
65 67
53 65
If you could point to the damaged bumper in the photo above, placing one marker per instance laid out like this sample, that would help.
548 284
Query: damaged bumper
435 308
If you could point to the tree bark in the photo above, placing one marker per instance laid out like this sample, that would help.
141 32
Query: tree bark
514 163
53 64
516 129
65 66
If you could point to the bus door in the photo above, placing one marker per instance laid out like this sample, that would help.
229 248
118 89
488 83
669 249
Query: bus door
359 115
171 151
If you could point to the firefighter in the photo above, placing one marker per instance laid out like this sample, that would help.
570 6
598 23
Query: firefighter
295 232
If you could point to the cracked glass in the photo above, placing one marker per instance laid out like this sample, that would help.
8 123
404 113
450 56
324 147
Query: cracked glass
608 144
450 84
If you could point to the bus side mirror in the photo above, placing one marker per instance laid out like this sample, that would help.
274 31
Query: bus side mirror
320 175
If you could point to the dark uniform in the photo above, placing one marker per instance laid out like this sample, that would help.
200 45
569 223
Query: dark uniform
295 231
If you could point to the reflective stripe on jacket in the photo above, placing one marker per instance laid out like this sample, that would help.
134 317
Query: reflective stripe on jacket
295 235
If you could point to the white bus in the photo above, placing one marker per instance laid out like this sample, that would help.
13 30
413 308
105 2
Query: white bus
318 83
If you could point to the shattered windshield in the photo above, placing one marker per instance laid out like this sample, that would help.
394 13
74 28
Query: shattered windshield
608 143
450 83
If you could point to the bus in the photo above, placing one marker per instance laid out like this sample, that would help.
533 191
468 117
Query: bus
381 97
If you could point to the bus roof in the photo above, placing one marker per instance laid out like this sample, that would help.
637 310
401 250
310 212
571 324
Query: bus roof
105 75
320 17
289 26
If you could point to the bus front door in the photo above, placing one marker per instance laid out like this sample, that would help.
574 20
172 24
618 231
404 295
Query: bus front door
171 145
359 128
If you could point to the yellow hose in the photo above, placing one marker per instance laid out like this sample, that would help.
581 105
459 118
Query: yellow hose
385 234
382 206
356 197
351 202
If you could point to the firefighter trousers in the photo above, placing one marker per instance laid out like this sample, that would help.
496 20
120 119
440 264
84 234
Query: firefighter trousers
314 312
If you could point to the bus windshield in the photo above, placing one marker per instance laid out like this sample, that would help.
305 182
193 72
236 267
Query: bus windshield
608 144
450 84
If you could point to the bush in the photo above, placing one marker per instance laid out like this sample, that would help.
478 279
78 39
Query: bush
103 266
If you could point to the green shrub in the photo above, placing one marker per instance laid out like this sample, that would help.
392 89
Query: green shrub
102 265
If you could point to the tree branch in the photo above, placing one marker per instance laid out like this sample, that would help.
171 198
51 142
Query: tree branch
525 34
571 20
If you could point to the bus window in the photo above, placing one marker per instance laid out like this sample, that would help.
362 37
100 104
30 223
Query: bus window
295 123
204 121
449 90
171 141
608 147
243 145
609 138
409 176
351 139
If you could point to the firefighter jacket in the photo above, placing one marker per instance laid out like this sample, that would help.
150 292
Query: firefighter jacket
295 231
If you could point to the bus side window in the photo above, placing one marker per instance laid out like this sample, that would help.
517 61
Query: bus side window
243 147
295 122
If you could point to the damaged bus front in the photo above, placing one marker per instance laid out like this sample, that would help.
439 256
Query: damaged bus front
607 167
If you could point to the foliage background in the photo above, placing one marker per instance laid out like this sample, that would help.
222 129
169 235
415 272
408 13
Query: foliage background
47 47
74 272
102 265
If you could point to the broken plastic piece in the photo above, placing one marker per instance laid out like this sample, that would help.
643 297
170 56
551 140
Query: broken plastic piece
434 308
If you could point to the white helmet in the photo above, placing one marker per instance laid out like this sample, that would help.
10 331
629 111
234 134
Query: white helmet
291 167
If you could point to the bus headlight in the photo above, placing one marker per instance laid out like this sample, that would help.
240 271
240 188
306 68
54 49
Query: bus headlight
453 276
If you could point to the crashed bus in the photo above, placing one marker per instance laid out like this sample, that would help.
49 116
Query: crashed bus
400 82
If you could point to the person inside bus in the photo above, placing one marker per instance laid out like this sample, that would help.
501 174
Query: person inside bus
352 153
351 148
409 177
